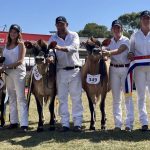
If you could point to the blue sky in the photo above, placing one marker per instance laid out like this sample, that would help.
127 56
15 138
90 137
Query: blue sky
38 16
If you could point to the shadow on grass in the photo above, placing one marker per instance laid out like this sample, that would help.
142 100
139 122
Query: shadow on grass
32 138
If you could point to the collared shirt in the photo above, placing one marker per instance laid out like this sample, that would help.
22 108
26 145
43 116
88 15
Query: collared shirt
71 42
140 44
122 57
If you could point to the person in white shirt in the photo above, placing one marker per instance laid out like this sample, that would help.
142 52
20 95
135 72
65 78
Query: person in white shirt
14 65
140 46
68 74
118 51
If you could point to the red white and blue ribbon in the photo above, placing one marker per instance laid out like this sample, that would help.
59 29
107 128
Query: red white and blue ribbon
138 61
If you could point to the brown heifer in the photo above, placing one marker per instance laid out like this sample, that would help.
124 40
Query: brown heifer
2 94
95 79
44 88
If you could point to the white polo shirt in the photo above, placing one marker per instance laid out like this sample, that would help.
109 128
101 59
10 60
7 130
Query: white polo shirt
140 44
71 42
120 58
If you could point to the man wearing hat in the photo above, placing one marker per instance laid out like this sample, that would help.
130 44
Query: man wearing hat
118 51
140 46
68 74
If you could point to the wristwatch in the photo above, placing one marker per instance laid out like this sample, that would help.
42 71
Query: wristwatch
109 53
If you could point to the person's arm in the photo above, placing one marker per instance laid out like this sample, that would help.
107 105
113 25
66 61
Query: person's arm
121 49
73 47
22 52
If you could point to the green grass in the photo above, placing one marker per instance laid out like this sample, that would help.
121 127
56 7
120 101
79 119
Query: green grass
87 140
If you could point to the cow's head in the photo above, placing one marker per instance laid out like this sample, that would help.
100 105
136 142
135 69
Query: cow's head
93 47
37 47
40 52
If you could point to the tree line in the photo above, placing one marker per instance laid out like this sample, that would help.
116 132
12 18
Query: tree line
130 23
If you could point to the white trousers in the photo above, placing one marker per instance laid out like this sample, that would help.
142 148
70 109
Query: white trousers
117 81
15 83
70 82
142 79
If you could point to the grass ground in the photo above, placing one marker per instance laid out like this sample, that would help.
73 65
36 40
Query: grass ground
87 140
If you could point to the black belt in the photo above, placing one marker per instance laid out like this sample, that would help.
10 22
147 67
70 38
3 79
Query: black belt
12 68
120 65
71 67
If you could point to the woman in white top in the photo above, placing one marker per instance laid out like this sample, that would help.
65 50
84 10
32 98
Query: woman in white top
14 65
118 51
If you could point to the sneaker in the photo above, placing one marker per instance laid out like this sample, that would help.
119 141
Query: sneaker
24 128
144 128
117 129
128 129
1 127
13 126
77 129
64 129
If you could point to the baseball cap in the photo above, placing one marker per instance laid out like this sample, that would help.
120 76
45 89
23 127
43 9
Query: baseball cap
145 13
116 22
16 27
61 19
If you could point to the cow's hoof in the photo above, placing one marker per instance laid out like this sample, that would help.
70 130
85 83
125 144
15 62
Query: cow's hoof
103 127
92 128
40 129
52 128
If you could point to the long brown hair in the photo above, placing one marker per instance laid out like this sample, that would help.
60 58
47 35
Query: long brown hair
19 38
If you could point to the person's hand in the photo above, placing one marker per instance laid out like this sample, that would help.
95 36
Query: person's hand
2 68
105 53
130 56
52 45
58 47
50 59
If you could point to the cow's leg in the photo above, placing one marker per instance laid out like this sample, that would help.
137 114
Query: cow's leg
93 114
102 108
3 109
39 102
52 114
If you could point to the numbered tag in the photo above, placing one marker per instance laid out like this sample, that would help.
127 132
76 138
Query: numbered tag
1 83
36 73
93 79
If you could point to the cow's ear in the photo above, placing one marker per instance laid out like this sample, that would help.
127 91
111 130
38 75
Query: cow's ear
28 44
52 45
41 43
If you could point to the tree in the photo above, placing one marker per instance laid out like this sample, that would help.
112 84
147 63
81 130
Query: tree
93 29
130 22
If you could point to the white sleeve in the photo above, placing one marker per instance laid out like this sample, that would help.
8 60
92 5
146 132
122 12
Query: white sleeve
126 42
74 46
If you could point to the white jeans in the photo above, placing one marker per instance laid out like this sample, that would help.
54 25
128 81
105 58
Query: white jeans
15 83
117 81
70 82
142 79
